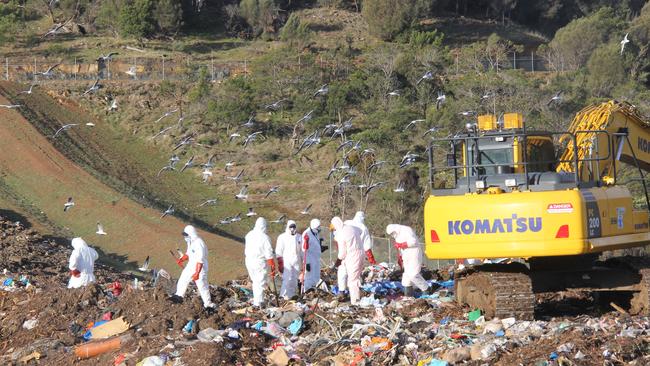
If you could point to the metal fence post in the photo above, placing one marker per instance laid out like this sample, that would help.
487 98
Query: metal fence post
7 68
532 61
163 68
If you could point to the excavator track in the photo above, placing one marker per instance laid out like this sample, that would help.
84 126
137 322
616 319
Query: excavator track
640 303
499 290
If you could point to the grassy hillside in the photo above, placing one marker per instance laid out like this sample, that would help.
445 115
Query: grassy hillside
37 179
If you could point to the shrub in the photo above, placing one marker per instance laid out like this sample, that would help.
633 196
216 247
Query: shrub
135 19
295 32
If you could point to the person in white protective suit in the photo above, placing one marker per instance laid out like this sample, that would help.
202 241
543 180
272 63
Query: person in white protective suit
288 251
196 269
366 240
411 254
311 247
350 255
259 257
81 264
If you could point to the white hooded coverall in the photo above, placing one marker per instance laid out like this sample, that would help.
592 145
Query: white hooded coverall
350 252
311 245
258 250
197 252
83 260
411 256
366 240
289 248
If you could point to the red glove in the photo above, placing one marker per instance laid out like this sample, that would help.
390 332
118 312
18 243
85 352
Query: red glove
305 242
337 264
75 273
280 265
401 245
199 267
371 257
400 262
271 264
182 259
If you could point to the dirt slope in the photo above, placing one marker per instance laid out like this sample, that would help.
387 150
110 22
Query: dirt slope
37 176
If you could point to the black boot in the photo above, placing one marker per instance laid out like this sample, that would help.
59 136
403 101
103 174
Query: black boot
176 299
408 291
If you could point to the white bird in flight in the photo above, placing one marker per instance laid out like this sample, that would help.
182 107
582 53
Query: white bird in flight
28 91
10 106
145 265
168 211
68 205
93 88
305 211
131 71
243 193
64 128
100 229
624 42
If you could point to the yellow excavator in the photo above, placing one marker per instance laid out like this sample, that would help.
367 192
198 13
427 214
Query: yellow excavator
549 203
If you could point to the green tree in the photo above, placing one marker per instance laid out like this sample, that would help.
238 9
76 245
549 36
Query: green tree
387 18
572 45
259 14
9 15
295 32
606 70
135 19
201 88
168 16
108 15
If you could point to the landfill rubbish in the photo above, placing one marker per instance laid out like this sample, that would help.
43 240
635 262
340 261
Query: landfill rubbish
319 329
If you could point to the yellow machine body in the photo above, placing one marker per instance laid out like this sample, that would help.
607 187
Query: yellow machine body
497 222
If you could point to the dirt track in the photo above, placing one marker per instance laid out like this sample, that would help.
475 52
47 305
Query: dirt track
42 178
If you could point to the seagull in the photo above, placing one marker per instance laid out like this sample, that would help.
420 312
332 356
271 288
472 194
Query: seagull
431 130
252 137
413 122
131 71
96 86
210 162
168 211
145 265
185 141
229 164
273 189
345 179
113 105
344 144
275 105
323 90
333 169
400 187
49 71
206 173
236 218
188 164
64 128
305 211
238 177
408 159
167 114
211 201
243 193
251 212
28 91
427 76
68 205
165 168
440 100
100 229
108 57
233 136
486 96
368 151
162 131
306 117
467 113
225 220
173 160
373 186
624 42
90 124
377 165
54 30
394 93
10 106
250 123
279 220
556 98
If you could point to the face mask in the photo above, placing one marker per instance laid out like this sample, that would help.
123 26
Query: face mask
187 239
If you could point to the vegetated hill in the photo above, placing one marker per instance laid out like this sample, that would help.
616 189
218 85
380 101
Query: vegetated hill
37 179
